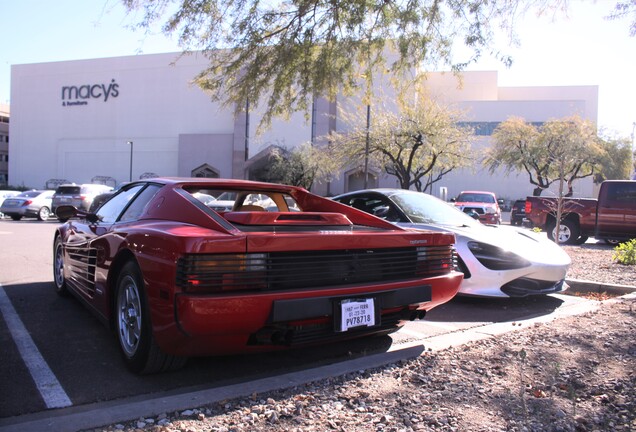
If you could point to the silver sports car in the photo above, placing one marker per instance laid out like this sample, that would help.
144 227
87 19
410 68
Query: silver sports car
497 261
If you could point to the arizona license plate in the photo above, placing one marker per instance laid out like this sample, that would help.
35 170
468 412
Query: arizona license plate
357 313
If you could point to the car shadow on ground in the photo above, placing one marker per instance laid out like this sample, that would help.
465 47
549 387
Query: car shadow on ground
476 309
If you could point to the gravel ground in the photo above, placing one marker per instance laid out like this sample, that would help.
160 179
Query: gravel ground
572 374
593 262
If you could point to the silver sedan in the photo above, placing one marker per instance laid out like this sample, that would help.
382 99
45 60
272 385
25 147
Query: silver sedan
33 203
497 261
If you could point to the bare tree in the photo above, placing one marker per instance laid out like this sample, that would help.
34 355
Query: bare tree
299 166
562 149
418 142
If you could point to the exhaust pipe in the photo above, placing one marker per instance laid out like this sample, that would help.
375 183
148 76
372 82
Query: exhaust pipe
417 315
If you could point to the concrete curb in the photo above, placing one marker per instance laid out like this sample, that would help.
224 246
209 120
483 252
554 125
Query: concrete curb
121 411
583 286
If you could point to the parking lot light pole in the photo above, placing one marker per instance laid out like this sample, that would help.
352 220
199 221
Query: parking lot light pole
131 156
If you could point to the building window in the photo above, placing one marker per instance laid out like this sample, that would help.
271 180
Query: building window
487 128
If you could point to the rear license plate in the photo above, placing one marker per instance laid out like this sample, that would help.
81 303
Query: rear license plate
357 313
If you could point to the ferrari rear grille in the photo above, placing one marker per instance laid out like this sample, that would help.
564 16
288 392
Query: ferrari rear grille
307 269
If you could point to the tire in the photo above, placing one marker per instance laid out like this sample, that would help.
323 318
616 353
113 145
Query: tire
44 213
16 217
134 329
58 268
582 239
569 232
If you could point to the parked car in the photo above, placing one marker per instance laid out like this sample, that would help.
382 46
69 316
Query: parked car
176 279
78 196
6 194
33 203
497 260
611 217
483 203
518 212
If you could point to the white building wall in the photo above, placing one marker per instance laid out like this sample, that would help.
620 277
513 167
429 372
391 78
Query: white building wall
288 133
151 102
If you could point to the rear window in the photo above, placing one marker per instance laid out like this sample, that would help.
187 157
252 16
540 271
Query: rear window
621 193
220 200
67 190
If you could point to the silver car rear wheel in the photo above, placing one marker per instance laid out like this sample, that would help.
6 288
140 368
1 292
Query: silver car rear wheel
58 268
44 213
129 315
133 326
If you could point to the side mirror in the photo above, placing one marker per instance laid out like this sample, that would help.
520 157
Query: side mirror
65 212
452 200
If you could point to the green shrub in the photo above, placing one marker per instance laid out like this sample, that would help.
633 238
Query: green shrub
625 253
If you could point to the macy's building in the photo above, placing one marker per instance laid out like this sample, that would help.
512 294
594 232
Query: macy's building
123 118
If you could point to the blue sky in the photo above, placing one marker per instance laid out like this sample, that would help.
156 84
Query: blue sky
581 49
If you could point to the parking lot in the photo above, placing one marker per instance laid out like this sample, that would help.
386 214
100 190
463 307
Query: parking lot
57 356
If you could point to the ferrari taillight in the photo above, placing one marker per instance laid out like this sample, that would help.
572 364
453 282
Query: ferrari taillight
435 260
217 273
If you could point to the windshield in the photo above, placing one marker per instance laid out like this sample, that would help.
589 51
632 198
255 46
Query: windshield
476 197
423 208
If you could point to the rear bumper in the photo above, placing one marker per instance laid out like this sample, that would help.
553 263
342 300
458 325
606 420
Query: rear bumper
229 324
19 211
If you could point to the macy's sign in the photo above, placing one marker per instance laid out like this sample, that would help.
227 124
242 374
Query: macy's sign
80 95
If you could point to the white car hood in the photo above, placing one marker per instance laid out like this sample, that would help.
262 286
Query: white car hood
530 245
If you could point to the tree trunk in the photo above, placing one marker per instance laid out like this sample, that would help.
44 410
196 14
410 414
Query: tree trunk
537 191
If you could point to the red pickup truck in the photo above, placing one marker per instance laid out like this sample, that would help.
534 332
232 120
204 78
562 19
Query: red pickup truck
611 217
